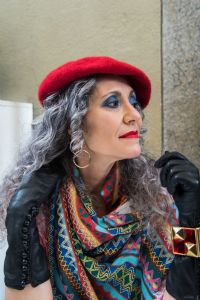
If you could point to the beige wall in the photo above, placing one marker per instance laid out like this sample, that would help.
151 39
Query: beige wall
37 36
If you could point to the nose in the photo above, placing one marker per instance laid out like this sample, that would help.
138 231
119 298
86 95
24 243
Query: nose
131 115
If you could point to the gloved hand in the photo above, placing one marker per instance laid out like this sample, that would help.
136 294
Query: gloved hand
25 260
181 178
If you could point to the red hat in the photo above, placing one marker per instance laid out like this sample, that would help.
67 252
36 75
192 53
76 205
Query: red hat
77 69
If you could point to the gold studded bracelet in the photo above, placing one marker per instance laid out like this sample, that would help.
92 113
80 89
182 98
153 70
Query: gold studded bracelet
186 241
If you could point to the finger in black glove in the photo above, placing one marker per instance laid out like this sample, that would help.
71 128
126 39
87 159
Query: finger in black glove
182 180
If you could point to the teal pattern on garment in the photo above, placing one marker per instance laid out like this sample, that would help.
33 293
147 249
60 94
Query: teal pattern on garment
102 258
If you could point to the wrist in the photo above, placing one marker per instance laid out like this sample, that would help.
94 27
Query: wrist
182 279
191 220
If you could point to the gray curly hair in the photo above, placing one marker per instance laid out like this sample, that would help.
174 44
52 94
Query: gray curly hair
50 138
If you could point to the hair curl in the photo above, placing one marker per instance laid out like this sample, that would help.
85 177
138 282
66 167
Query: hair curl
50 138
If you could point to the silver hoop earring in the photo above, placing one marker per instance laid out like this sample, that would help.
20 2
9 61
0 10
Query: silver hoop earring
76 154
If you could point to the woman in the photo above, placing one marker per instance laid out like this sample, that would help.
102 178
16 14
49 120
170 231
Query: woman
96 200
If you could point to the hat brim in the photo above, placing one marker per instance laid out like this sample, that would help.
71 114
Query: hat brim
67 73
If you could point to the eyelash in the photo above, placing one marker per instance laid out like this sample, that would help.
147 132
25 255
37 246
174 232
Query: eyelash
135 104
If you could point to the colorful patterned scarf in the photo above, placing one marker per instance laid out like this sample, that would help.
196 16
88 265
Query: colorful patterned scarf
108 257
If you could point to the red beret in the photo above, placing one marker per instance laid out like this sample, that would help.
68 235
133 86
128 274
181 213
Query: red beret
64 75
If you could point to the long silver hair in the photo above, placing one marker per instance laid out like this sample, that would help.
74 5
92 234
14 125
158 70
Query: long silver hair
50 138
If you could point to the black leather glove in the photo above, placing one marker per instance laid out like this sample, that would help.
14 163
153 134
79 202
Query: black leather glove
181 178
25 260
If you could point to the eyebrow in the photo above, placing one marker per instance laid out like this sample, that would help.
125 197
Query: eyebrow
118 93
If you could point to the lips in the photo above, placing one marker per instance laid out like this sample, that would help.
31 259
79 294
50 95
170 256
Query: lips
131 134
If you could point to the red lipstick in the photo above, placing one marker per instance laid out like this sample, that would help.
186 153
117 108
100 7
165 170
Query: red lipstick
131 134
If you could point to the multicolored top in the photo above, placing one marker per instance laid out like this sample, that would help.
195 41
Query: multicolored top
108 257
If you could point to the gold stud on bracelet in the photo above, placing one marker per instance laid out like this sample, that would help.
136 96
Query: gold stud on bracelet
186 241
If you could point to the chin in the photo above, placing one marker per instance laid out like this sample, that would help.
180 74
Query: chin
133 154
